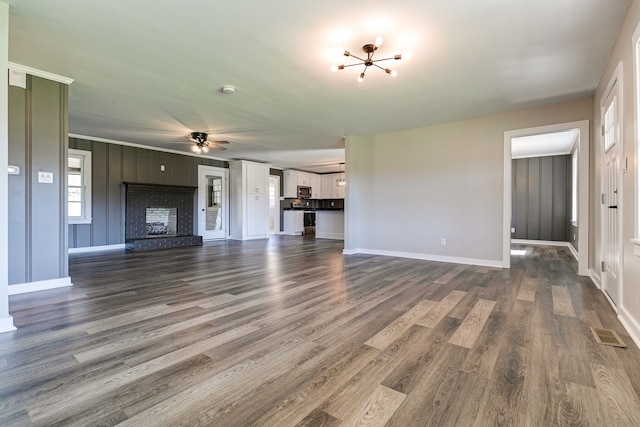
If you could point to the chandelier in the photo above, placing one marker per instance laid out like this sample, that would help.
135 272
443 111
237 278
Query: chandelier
341 181
370 49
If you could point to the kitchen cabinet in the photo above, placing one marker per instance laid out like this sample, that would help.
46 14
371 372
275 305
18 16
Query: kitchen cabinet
316 186
293 178
249 200
294 222
330 187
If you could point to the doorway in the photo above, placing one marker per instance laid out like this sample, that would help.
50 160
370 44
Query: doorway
213 202
582 202
274 204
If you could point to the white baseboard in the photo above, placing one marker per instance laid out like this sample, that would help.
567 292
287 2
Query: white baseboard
6 324
426 257
88 249
41 285
630 324
595 278
334 236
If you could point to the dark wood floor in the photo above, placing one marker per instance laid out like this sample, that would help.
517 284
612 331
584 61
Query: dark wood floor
289 332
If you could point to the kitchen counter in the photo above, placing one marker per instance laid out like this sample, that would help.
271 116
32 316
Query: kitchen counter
330 224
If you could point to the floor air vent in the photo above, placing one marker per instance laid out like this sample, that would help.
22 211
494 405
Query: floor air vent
607 337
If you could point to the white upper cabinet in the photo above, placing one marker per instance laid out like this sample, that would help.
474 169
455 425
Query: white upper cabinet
292 179
330 187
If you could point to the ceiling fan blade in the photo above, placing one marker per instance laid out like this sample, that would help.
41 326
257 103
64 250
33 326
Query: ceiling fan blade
217 147
219 142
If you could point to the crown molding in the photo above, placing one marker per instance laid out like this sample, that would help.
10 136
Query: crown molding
39 73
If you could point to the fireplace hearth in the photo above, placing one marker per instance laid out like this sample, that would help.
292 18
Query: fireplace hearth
159 216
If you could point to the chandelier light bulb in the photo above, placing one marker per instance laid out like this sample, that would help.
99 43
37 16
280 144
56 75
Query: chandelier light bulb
334 68
394 73
205 149
406 55
378 41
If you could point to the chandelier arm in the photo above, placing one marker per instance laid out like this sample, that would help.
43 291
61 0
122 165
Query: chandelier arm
357 57
376 65
351 65
384 59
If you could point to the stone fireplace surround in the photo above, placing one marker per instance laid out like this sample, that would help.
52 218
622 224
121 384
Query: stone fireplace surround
139 197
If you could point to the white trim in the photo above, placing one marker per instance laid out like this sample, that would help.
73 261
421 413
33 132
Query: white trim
89 249
276 214
39 73
554 153
595 278
226 200
636 128
41 285
147 147
506 202
87 164
573 251
335 236
6 325
630 324
425 257
583 188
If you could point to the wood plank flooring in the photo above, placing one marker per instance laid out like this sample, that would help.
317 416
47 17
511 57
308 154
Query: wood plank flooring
289 332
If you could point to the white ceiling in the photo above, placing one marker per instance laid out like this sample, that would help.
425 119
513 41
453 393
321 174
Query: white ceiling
149 72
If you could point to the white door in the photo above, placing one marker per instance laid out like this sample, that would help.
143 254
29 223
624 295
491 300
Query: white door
213 202
611 198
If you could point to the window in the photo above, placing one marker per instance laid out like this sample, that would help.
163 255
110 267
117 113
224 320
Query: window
609 128
574 187
79 187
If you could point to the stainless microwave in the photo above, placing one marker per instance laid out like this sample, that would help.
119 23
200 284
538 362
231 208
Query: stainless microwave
304 192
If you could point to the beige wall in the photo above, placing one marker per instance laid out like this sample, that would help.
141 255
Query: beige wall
629 304
407 190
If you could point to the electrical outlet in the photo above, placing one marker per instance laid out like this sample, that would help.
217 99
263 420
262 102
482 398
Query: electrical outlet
443 242
513 229
161 168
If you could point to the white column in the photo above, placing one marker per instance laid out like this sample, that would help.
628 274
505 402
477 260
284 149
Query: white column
6 321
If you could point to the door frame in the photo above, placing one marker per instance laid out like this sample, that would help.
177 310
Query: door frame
276 223
225 198
615 83
583 188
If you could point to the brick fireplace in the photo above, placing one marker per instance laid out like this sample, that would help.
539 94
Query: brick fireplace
159 216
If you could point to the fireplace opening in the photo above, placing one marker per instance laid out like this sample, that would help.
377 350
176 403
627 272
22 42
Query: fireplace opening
162 222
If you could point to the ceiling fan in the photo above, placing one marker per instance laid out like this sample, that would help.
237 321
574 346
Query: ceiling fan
201 144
